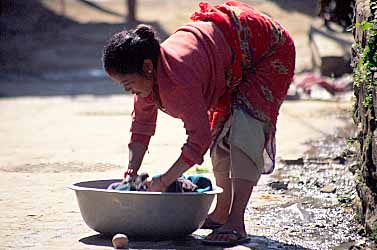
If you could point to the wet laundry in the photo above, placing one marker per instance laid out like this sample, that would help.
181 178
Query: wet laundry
192 183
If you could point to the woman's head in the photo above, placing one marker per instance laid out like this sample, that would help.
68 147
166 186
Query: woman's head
126 51
132 55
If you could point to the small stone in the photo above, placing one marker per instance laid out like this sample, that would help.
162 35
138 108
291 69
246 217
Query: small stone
318 184
339 160
361 242
353 167
328 189
278 185
298 161
320 226
120 241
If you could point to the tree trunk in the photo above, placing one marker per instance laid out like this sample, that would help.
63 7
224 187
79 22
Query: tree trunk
365 68
131 6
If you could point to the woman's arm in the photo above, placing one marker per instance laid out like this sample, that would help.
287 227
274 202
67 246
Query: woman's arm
143 126
136 154
193 112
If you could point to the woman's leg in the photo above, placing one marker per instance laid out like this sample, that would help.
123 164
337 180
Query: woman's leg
223 201
245 175
242 192
220 157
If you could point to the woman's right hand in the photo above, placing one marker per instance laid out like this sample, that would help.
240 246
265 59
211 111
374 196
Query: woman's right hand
129 175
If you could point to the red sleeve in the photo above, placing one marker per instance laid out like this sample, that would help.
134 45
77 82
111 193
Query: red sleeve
144 116
189 104
144 139
187 160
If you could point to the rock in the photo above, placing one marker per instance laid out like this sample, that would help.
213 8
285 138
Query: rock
298 161
279 185
318 183
339 160
353 167
299 211
328 189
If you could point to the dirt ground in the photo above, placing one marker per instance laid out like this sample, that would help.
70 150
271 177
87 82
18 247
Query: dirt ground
62 123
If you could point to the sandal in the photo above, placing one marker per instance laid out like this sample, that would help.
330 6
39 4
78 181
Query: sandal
210 224
239 238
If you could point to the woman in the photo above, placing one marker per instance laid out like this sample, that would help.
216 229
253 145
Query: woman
225 76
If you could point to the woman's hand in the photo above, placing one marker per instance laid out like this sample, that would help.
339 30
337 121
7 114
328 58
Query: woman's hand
161 183
129 175
157 185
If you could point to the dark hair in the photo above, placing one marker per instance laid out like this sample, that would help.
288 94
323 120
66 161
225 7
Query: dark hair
126 51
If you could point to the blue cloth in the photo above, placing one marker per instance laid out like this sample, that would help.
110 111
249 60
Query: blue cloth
120 186
204 184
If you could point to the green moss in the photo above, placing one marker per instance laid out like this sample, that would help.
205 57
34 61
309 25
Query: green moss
366 65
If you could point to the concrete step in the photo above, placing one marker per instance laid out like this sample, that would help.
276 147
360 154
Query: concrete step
331 49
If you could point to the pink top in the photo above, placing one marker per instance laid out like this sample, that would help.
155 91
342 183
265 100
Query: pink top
191 79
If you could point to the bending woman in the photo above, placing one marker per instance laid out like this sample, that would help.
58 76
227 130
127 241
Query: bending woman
225 75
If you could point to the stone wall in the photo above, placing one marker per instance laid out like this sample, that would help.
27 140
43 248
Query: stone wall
365 68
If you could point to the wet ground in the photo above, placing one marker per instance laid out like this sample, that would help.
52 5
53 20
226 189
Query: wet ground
314 207
312 198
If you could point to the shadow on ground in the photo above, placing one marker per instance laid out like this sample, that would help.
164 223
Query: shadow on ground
35 87
46 54
190 242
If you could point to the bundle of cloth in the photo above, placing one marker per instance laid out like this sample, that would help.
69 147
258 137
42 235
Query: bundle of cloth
192 183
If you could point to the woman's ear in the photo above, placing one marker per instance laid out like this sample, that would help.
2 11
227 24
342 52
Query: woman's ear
148 66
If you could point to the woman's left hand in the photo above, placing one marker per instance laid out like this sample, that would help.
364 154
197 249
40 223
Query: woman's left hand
161 183
156 185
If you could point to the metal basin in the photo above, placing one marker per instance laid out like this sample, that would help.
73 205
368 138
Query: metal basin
141 214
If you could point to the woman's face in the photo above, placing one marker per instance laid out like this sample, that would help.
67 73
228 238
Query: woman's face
135 83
